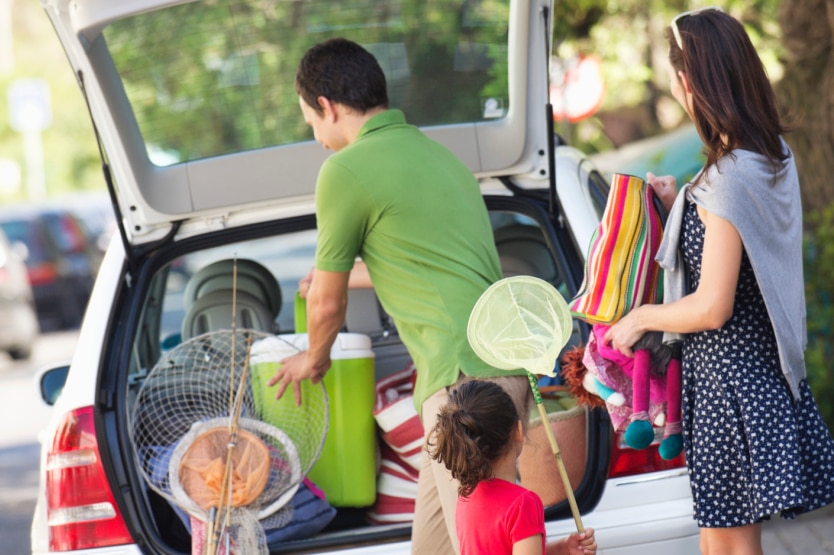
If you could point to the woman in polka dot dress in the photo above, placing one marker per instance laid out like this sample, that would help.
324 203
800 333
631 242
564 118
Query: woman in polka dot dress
754 440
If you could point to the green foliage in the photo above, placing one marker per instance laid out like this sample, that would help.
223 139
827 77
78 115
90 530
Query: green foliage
628 36
69 149
205 79
219 76
819 297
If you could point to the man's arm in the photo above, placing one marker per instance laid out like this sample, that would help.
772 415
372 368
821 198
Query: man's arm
326 307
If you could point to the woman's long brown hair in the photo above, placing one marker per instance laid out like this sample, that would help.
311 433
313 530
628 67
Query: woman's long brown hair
733 103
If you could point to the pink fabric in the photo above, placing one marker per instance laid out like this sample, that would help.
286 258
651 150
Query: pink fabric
495 516
640 377
317 491
198 538
673 383
615 370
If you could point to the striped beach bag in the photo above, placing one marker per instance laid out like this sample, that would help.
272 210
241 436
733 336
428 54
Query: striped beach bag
620 269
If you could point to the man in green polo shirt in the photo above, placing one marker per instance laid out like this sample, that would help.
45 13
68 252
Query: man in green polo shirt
414 214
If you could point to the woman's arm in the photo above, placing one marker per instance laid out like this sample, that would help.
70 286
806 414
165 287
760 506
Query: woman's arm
708 307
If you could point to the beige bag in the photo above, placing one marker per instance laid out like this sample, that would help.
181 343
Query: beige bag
537 465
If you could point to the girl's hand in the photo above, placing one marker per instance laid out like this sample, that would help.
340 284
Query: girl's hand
665 187
576 544
587 544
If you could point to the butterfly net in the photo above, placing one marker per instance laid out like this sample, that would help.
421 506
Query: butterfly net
209 435
520 322
524 322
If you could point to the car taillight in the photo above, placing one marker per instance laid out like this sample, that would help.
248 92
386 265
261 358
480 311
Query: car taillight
82 512
42 274
626 461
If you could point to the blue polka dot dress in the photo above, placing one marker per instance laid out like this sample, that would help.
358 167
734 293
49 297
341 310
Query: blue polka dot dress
752 451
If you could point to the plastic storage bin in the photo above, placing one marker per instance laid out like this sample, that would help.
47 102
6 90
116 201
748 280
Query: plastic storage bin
346 469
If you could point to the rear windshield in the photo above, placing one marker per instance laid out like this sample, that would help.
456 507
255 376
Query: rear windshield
211 78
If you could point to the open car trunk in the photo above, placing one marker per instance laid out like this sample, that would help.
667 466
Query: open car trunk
368 467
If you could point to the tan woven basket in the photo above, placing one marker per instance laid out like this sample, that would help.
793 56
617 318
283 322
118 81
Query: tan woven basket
537 465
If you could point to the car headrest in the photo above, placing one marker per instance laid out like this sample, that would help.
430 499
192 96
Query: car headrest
252 278
213 311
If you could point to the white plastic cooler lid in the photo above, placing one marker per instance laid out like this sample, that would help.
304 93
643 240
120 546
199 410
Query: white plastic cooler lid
278 347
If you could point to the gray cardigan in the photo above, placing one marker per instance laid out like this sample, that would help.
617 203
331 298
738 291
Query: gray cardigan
766 210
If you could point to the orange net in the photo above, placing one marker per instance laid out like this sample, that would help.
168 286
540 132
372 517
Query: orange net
203 465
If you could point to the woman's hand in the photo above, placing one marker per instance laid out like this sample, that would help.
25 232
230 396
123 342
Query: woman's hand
625 332
665 187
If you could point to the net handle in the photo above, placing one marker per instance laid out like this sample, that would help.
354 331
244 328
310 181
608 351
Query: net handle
554 447
225 509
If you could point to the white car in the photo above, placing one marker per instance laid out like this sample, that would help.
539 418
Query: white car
19 326
208 158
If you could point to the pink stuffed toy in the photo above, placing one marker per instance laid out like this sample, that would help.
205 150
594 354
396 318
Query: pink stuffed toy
640 393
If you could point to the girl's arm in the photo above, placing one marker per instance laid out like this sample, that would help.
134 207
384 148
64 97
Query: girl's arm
531 545
708 307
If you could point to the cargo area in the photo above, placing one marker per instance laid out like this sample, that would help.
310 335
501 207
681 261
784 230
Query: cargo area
364 480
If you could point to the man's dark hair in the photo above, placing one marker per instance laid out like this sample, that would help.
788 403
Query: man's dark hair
344 72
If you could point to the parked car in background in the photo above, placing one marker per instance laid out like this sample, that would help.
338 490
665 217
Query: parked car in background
60 262
211 162
678 152
18 320
95 212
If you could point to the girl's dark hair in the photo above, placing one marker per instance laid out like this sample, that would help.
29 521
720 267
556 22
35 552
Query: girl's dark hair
731 94
344 72
473 429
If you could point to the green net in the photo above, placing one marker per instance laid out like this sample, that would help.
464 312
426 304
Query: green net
520 322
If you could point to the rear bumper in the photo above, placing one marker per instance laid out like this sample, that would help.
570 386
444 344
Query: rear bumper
641 515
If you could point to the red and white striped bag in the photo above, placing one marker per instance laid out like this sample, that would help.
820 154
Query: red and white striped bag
401 448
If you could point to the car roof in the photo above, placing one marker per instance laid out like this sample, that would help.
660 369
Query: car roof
142 75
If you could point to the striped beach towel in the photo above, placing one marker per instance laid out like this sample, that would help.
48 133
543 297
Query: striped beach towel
620 270
401 448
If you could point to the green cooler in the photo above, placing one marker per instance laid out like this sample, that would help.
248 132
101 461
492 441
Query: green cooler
346 469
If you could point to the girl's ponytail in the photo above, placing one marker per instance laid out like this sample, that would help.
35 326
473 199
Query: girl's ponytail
473 429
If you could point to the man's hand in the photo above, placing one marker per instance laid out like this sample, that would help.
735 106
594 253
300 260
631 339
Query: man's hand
305 283
326 306
293 370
